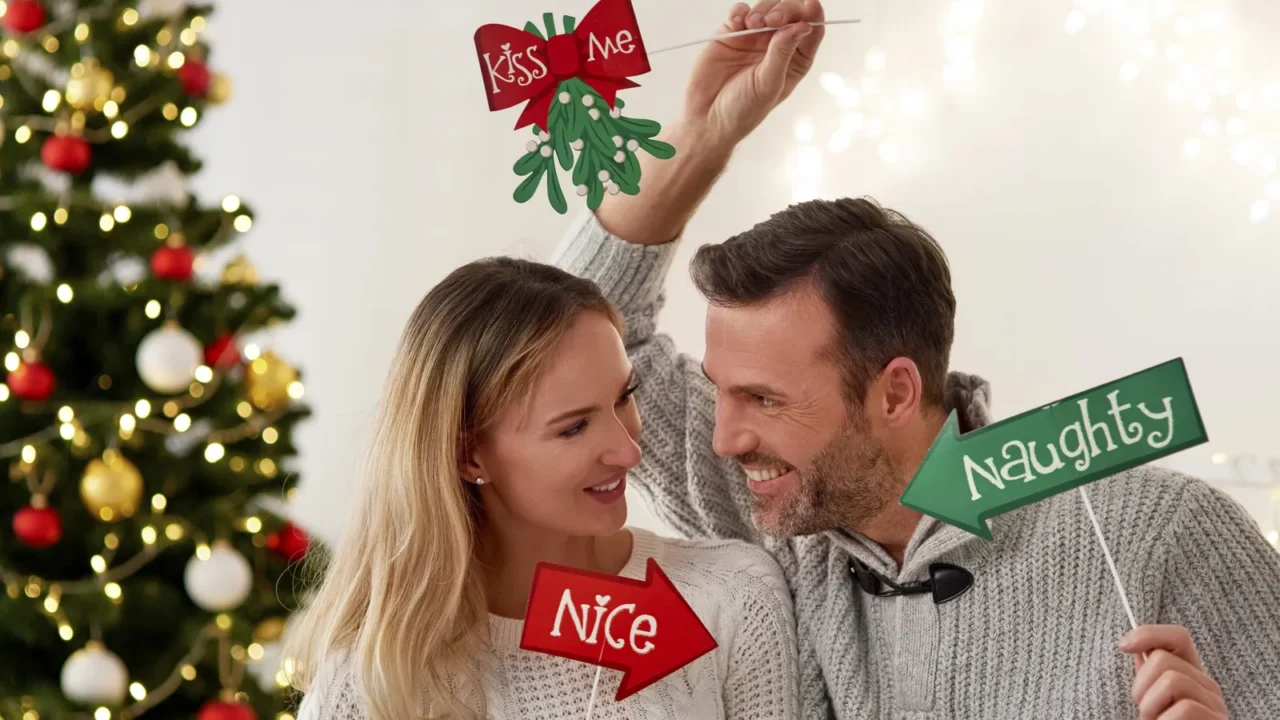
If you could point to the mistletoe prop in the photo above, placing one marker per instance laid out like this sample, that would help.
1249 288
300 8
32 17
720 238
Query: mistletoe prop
570 82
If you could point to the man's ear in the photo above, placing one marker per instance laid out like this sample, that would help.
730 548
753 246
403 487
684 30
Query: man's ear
901 391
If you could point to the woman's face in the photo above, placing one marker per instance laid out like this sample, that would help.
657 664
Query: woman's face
558 459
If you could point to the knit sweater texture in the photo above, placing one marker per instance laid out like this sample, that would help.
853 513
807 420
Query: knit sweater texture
736 589
1035 637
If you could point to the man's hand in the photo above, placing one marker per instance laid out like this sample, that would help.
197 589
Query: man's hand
1172 684
735 83
738 80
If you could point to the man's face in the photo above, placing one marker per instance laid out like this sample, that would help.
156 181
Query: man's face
811 462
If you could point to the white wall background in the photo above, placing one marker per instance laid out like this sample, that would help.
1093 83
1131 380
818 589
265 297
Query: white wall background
1086 242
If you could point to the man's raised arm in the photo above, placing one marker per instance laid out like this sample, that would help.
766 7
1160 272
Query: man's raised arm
627 246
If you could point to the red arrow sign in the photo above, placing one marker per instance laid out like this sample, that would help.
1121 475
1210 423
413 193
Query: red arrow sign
645 629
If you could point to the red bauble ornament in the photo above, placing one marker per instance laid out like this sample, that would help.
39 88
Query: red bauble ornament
222 352
289 542
195 78
173 262
32 381
67 153
37 526
24 16
221 710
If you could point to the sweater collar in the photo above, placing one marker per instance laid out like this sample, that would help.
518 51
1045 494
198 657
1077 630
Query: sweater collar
970 397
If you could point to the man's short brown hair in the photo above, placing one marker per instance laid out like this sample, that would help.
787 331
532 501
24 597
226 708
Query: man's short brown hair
885 279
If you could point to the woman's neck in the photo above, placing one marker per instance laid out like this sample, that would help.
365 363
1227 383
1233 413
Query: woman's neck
508 559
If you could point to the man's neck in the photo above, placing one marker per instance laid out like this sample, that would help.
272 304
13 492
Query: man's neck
509 557
894 526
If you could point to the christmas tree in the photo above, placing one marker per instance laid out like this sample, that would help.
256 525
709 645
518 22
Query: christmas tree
143 434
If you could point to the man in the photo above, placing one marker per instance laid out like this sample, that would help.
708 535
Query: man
828 340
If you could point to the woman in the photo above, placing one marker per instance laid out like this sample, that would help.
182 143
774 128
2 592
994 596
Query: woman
505 434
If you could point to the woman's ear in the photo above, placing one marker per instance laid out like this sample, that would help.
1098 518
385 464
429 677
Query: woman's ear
469 464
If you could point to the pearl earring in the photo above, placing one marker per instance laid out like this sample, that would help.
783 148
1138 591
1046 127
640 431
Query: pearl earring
479 481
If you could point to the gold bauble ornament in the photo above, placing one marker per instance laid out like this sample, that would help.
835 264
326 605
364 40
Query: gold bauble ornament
267 380
269 630
240 272
219 89
111 487
90 85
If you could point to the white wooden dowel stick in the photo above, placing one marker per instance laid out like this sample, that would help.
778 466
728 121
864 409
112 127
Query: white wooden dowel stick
742 32
595 685
1111 564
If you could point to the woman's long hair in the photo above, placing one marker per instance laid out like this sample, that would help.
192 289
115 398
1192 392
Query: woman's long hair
402 596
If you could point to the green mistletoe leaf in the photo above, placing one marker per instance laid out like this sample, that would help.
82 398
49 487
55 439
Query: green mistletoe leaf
640 127
527 164
583 171
595 193
554 193
529 186
657 148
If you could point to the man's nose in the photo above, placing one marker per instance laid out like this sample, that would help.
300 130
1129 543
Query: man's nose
731 437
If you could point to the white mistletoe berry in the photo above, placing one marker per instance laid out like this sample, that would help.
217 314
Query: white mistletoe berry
613 189
531 146
617 141
577 144
594 113
582 190
615 113
545 150
544 136
619 156
603 175
588 100
563 98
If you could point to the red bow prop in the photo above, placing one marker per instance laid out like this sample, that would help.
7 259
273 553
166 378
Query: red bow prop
603 51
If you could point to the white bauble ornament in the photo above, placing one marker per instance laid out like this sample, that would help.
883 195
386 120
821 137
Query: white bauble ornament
168 357
220 583
93 675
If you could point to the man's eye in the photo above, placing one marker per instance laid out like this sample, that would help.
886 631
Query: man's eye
766 401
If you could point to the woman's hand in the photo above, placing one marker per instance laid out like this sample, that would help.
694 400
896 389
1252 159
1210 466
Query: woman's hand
1172 684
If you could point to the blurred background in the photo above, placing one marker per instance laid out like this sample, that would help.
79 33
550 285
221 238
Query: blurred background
1102 175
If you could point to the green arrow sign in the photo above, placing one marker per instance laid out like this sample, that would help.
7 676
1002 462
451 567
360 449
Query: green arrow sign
964 480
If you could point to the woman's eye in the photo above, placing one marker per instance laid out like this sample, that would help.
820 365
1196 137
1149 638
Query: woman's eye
629 395
575 430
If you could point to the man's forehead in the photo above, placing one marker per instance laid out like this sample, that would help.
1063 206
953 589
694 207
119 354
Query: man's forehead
793 325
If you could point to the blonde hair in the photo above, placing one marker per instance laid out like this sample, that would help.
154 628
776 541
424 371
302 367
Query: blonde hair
402 596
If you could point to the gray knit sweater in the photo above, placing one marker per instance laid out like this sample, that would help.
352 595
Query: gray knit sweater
1036 635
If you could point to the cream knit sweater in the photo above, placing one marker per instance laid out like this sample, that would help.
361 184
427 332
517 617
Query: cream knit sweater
1036 635
736 589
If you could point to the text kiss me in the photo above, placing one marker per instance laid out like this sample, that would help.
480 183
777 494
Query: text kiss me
509 63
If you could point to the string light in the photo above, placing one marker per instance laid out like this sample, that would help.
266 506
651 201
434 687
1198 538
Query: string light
295 390
1233 107
52 98
82 32
223 621
98 563
122 213
106 222
28 454
4 392
189 116
176 59
270 435
170 111
51 44
21 339
164 37
22 134
188 672
253 524
11 361
65 293
188 37
130 18
173 532
214 452
162 231
152 309
65 632
149 535
142 56
243 223
252 351
128 423
142 408
204 374
119 129
102 714
244 409
197 23
67 431
112 590
60 216
256 651
158 502
137 691
182 423
38 221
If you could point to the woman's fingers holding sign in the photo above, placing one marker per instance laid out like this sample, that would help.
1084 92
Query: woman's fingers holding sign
1172 684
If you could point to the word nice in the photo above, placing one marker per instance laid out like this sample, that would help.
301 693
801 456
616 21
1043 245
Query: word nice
643 626
1079 443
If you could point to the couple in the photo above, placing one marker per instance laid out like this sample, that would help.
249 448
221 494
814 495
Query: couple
512 422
